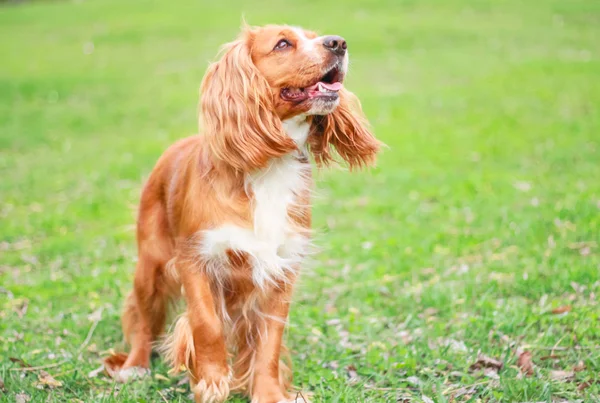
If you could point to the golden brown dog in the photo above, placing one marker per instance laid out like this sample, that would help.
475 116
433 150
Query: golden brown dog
224 219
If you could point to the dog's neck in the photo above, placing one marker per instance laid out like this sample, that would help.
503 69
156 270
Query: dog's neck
298 129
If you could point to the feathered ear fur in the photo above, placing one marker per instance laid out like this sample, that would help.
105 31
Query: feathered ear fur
347 130
237 112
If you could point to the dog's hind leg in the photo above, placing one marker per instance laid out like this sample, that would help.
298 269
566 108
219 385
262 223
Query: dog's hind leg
145 310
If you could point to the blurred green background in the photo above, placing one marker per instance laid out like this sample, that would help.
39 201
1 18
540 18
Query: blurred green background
481 220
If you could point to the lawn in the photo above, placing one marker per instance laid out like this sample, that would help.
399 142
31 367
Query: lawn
474 245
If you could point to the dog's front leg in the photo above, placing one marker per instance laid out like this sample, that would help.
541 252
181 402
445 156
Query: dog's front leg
269 376
205 354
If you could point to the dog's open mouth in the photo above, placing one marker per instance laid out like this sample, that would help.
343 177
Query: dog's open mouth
326 88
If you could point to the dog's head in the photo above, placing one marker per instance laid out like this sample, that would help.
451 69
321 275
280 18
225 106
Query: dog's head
273 73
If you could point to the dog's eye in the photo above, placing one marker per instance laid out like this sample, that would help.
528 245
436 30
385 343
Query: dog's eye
282 44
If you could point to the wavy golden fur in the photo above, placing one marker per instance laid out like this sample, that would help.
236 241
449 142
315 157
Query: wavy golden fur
225 218
237 112
347 130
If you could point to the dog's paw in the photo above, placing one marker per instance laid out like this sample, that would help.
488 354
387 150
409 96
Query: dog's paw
113 365
125 375
296 398
299 398
211 392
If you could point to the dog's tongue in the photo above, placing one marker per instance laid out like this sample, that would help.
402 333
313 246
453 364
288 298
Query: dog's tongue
335 87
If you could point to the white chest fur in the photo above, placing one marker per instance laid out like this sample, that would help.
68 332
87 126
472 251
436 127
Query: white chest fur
274 245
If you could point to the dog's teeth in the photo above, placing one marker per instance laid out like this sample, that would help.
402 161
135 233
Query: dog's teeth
321 88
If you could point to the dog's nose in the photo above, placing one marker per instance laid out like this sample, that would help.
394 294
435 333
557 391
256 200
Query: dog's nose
336 44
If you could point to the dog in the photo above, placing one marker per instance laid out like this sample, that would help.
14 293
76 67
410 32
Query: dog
224 218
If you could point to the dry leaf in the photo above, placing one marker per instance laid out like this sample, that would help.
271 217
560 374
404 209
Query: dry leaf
586 385
414 381
580 366
160 377
551 357
525 364
464 391
561 309
491 373
48 380
2 387
352 374
96 316
405 336
3 290
564 376
456 346
22 398
333 322
427 399
486 362
19 361
522 186
96 372
21 309
183 381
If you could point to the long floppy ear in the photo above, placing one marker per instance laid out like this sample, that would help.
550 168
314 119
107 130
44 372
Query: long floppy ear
347 130
237 113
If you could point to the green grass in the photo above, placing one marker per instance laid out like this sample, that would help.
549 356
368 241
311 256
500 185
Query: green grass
481 218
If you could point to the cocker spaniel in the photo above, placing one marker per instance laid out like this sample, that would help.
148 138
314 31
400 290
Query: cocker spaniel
224 219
